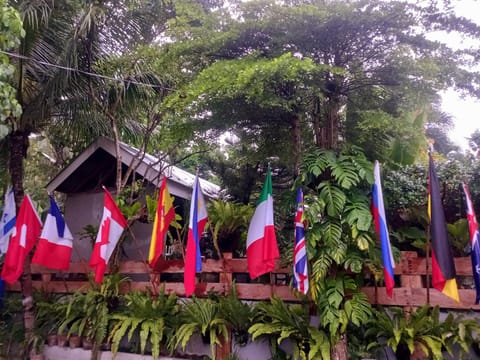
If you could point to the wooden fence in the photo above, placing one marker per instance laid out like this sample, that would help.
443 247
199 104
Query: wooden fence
217 275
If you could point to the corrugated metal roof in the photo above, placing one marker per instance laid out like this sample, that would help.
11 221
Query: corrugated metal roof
96 166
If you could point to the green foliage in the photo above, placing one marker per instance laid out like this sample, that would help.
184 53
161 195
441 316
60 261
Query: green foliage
200 316
279 321
238 315
401 331
339 240
228 222
12 335
152 317
11 32
88 314
341 303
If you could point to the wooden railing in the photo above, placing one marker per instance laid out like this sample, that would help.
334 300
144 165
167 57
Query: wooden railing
218 275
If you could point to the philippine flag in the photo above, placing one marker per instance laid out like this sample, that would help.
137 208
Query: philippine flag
300 261
198 220
380 220
54 247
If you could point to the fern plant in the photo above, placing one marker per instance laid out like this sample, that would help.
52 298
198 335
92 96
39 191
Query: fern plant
238 315
279 321
154 319
88 314
200 316
406 332
227 221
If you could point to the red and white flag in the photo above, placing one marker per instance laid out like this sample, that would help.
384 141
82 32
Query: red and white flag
111 228
27 229
54 247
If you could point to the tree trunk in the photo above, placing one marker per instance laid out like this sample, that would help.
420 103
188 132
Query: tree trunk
339 351
18 142
297 145
329 133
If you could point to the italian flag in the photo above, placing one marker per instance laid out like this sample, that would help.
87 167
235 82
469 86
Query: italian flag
262 249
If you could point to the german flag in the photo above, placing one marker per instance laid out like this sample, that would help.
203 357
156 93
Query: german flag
443 267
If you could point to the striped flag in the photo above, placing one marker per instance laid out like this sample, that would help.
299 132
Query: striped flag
300 260
443 267
380 220
27 229
163 217
54 247
111 228
474 241
7 223
198 220
262 249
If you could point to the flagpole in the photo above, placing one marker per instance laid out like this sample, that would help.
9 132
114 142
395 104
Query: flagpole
427 244
427 267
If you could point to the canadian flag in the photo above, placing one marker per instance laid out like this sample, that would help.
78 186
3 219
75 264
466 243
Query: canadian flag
111 228
54 247
27 229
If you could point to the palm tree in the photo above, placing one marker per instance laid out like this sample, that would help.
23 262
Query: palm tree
56 81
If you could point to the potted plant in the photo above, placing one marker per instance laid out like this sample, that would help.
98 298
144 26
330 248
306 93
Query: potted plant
48 312
278 321
416 332
152 318
200 316
237 314
228 222
88 314
35 345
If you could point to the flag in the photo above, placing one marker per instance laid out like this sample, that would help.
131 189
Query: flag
198 220
380 220
54 247
111 227
163 217
300 261
262 249
443 267
27 229
8 220
474 241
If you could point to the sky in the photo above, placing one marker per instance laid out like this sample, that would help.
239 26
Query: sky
465 112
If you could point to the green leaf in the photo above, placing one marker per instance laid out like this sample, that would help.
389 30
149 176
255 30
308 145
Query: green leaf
333 197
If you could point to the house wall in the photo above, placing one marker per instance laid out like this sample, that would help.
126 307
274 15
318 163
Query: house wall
82 210
86 209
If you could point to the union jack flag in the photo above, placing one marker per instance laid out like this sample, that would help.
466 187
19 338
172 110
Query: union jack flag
300 261
474 241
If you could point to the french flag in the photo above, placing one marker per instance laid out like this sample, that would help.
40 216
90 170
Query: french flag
381 229
198 220
474 241
54 247
300 261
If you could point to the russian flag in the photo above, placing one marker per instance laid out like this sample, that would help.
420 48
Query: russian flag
54 247
378 210
474 241
198 220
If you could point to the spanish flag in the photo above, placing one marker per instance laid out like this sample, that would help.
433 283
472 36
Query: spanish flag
443 267
163 217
